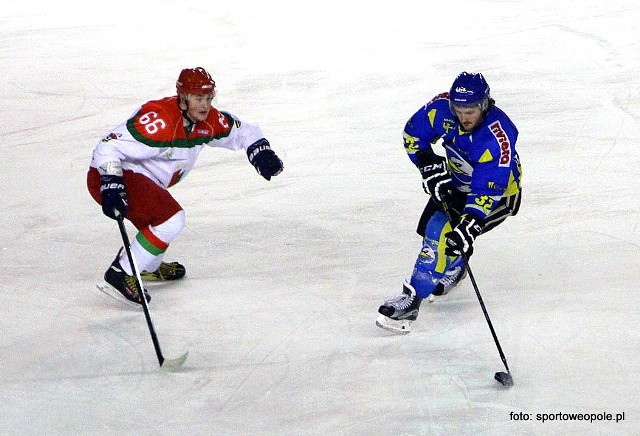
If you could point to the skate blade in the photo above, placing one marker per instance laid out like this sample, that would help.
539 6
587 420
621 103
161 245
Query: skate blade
401 327
433 297
112 292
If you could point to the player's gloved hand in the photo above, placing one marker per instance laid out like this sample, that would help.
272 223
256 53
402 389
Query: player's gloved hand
436 180
114 195
460 240
267 163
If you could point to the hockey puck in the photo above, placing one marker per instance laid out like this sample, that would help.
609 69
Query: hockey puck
504 378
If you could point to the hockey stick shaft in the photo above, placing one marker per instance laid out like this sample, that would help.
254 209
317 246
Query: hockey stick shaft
465 258
136 273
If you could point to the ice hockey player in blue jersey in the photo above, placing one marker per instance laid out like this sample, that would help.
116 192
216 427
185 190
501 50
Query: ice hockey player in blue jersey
477 176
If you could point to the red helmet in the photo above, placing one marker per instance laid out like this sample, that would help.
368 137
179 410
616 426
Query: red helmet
195 81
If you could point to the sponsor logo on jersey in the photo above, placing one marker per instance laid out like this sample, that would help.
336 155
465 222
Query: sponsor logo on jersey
448 124
203 132
503 141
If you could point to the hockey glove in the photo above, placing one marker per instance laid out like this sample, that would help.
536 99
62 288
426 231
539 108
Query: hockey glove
267 163
460 240
114 195
436 180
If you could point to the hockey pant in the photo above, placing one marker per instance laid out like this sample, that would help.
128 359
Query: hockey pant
158 217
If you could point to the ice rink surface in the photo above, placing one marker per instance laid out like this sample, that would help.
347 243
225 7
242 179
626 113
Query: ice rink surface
284 278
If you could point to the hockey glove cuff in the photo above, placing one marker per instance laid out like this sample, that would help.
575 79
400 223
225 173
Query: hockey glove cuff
265 160
436 180
114 196
460 240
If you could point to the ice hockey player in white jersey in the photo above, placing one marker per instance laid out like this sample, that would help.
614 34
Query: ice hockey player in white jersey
135 164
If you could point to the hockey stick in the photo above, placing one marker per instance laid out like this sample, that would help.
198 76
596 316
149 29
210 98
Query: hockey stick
503 377
168 364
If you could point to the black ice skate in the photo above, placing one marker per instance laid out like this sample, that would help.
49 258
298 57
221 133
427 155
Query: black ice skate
451 279
125 284
397 313
166 271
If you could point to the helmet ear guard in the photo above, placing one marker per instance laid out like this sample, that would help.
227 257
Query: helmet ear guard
195 81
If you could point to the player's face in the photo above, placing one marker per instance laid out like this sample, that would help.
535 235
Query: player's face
198 106
469 117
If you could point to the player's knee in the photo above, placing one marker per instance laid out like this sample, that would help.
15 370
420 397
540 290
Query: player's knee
168 230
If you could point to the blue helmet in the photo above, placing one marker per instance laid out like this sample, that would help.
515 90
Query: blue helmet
469 89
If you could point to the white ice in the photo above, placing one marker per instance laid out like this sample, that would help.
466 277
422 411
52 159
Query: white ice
285 277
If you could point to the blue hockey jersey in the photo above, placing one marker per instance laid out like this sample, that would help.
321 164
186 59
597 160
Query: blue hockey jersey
482 163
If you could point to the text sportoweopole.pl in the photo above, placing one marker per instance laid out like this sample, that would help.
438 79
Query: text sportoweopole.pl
562 416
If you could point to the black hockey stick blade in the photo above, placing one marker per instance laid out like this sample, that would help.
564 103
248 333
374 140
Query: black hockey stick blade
504 378
174 364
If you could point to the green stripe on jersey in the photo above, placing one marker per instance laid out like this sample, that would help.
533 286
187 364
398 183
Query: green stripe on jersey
177 143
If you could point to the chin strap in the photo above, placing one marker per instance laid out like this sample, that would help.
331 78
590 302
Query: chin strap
187 122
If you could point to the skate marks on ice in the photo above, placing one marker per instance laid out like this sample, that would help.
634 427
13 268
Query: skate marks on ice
285 349
454 387
166 364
